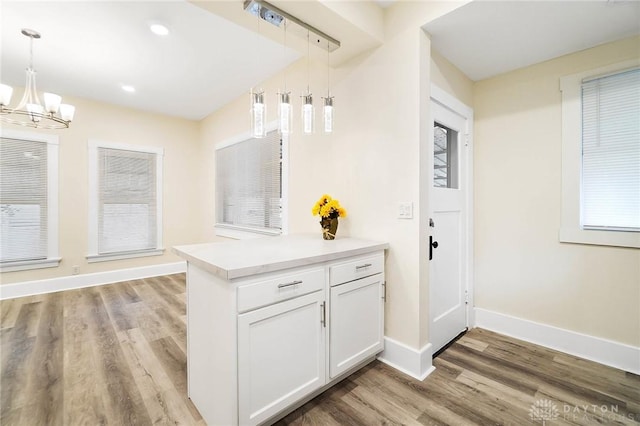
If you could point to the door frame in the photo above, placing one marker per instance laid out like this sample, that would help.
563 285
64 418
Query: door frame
451 103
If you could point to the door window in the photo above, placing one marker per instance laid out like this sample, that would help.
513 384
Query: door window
445 157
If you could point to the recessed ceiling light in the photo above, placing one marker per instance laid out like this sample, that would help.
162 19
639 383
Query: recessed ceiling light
159 29
127 88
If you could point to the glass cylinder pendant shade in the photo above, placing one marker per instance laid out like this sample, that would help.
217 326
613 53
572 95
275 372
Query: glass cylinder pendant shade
284 113
307 114
327 115
258 115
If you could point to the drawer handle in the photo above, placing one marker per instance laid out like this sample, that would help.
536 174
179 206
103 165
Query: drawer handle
296 282
366 265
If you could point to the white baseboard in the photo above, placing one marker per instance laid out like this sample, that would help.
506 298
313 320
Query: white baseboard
416 364
607 352
51 285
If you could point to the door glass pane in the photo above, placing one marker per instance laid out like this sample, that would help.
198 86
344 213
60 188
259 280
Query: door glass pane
445 157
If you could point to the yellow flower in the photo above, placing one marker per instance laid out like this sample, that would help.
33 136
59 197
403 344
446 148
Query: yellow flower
327 207
325 210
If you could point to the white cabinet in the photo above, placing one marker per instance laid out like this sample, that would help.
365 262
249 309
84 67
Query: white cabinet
261 343
356 323
280 356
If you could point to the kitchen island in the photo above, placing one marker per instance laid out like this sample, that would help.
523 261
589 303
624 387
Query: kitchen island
272 322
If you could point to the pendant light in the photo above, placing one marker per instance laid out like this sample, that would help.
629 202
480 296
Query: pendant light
307 101
267 12
327 109
284 97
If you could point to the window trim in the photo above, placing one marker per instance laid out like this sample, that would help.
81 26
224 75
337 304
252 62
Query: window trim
94 256
53 258
243 233
570 227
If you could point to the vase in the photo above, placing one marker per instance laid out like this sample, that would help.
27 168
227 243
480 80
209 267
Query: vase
329 228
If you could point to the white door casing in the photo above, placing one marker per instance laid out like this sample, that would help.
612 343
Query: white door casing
450 214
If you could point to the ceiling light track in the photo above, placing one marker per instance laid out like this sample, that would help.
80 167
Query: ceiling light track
276 16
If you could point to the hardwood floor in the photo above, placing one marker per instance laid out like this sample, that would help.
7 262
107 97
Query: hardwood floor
115 354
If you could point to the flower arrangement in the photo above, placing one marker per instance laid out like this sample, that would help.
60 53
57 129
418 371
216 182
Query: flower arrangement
328 208
329 211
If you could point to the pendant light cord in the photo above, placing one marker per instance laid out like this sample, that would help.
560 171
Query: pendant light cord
308 59
284 56
328 72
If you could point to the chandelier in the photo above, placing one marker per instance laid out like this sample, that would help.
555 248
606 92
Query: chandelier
30 112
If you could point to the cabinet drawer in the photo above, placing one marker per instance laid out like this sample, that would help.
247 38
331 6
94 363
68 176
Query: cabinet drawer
275 290
354 269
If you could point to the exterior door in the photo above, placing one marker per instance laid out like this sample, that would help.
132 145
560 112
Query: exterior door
448 226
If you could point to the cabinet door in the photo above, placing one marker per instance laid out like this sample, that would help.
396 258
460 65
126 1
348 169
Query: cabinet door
281 356
356 323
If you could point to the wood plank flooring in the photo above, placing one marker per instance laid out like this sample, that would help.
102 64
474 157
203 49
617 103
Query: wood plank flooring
116 355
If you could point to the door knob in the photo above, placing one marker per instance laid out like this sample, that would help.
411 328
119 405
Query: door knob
434 244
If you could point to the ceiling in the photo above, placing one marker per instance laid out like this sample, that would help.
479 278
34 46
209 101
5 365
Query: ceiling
216 52
90 49
487 38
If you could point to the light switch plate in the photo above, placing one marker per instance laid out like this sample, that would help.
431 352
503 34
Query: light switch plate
405 210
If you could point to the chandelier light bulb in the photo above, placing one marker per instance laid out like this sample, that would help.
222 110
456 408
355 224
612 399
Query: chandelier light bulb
52 102
35 112
67 112
5 94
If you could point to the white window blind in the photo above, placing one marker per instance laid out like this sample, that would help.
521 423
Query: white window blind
249 184
610 196
127 201
23 200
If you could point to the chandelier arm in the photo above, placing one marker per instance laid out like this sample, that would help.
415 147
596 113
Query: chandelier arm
52 122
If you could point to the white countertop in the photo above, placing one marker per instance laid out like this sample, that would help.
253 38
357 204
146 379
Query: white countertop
242 258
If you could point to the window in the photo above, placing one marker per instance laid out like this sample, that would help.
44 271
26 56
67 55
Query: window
250 190
28 201
125 201
601 157
445 157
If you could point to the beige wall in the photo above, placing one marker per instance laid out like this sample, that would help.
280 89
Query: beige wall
370 163
178 137
520 267
446 76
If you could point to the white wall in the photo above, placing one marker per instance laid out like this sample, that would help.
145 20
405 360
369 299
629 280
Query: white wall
521 269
